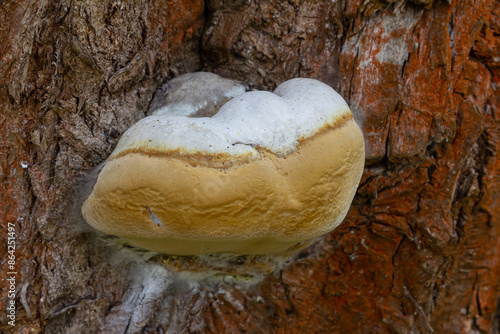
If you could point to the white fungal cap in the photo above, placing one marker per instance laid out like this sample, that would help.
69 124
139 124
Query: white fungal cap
276 121
266 174
194 94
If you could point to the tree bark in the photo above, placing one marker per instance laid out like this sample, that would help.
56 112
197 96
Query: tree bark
418 251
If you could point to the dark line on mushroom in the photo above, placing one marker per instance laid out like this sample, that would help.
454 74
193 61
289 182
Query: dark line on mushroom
224 160
153 217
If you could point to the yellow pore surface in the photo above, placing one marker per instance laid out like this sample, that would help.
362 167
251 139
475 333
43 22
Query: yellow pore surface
268 205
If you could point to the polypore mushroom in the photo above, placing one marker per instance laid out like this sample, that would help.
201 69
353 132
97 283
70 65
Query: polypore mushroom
266 174
196 94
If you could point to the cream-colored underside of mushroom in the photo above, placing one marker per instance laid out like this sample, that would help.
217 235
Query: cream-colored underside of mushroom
265 205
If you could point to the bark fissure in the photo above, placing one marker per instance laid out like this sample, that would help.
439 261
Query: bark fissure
421 235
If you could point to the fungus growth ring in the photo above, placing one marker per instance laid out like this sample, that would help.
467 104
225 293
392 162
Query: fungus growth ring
266 174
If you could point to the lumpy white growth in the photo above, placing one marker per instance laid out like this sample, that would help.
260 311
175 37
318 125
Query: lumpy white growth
276 121
189 93
237 182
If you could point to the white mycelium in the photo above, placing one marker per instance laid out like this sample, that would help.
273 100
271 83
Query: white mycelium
191 93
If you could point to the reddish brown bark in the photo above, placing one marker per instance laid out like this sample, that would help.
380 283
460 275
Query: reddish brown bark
418 251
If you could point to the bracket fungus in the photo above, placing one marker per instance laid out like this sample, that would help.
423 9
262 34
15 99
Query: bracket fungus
266 174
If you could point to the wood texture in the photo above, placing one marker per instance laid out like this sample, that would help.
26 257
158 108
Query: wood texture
418 252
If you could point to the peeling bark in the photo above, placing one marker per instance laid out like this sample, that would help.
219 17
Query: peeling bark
418 251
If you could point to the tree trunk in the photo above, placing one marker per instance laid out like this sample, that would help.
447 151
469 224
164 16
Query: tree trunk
418 251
